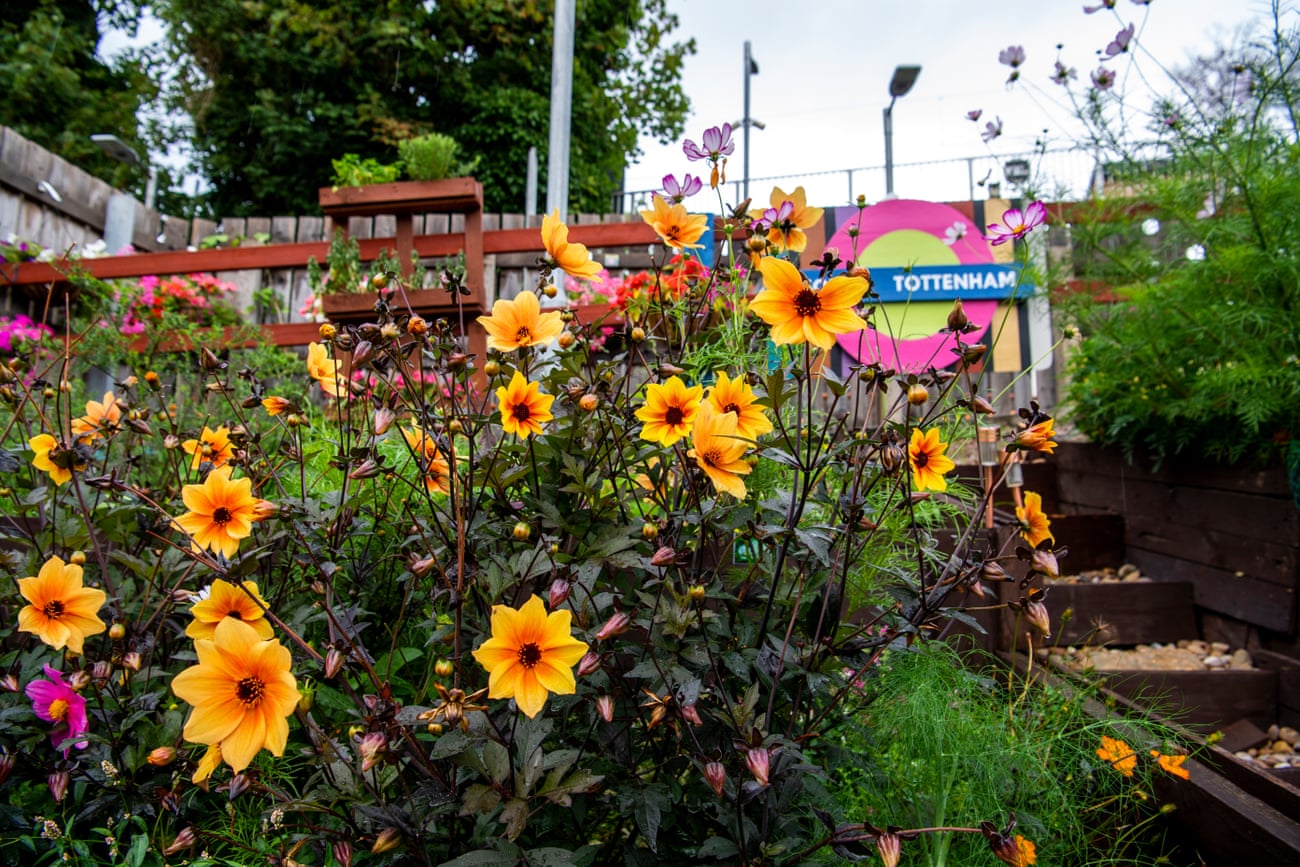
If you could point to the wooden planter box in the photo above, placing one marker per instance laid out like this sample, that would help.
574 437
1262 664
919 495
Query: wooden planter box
355 307
1203 701
1120 614
1233 532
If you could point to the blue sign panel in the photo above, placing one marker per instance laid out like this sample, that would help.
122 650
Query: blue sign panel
946 282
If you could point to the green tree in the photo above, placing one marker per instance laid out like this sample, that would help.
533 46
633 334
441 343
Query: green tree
278 88
56 90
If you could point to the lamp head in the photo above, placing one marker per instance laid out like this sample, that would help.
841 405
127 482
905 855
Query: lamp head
904 78
116 148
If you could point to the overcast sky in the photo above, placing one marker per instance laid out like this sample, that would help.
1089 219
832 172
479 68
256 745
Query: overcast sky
825 66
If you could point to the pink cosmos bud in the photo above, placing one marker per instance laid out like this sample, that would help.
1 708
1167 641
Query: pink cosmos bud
58 783
665 556
333 662
890 848
362 353
343 852
387 840
1037 614
383 420
373 747
589 663
716 776
184 840
559 593
614 626
759 762
605 707
691 715
367 469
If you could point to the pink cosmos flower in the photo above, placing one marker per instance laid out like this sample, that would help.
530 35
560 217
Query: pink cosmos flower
1063 74
975 114
774 217
992 130
1103 78
54 700
716 144
1016 224
1104 4
1119 44
675 191
1012 55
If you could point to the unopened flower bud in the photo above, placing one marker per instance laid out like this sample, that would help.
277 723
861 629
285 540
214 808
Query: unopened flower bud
890 846
58 783
384 418
1043 560
10 683
566 339
665 556
759 762
550 290
605 707
992 572
521 531
615 625
957 319
981 406
891 457
374 746
637 334
79 679
917 394
417 326
162 756
491 367
691 714
558 593
101 671
716 776
588 402
649 531
387 840
151 379
184 840
7 761
695 593
131 661
1037 614
171 441
367 469
444 668
334 660
343 853
589 663
327 331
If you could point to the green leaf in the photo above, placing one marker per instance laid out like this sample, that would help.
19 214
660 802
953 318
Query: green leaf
717 847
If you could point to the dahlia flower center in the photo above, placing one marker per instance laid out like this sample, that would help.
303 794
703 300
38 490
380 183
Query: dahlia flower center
920 459
732 407
807 302
250 690
235 614
521 412
529 655
221 515
674 415
59 710
524 335
53 609
712 457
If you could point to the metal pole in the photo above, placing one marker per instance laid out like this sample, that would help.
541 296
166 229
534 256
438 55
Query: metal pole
530 184
557 161
889 149
749 65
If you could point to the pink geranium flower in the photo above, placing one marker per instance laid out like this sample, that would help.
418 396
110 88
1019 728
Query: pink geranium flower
1016 224
54 700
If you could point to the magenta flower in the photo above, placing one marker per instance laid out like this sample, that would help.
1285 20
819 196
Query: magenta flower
1119 44
1012 55
1063 74
975 114
54 700
774 217
1103 78
1016 224
992 130
1104 4
716 143
675 191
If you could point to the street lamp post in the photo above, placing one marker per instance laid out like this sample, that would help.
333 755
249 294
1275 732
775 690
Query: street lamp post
119 215
751 69
899 85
